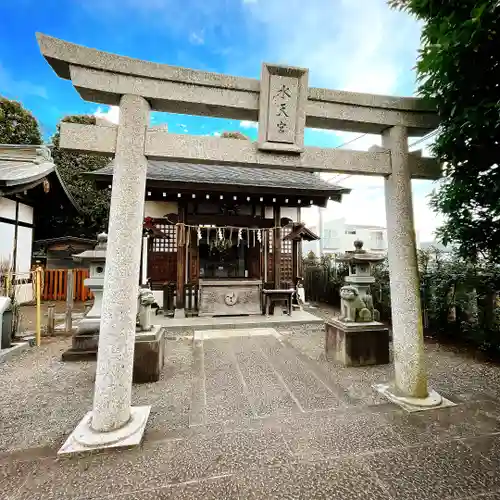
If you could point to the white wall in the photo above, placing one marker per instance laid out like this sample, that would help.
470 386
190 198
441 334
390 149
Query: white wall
24 235
25 213
6 242
158 209
291 213
7 208
24 249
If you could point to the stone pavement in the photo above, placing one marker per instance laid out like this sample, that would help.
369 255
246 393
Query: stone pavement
256 418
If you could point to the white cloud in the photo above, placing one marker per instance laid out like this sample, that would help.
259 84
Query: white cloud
248 124
196 38
112 113
361 46
358 46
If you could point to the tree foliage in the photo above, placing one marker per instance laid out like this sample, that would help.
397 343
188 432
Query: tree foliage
458 68
72 166
17 125
234 135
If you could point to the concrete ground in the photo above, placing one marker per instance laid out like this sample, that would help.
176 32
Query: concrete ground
254 418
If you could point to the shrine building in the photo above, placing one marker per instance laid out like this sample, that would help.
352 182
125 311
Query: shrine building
212 226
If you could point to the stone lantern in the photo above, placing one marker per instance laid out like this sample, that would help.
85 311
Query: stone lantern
149 346
360 278
357 337
86 338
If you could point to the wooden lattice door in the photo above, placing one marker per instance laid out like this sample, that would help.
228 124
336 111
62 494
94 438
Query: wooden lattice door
162 255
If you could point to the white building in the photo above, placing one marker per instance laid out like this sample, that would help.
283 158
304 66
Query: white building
337 236
27 175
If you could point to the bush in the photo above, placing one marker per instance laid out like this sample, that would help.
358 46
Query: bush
459 298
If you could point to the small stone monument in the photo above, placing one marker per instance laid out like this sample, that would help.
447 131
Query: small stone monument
86 337
356 337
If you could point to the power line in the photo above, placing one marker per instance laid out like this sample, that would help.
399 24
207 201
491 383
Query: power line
424 138
352 140
341 146
418 141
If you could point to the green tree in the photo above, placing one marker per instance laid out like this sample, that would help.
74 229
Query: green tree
72 166
458 68
234 135
17 125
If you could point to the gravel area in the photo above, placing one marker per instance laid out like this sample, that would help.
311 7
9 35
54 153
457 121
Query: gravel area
257 418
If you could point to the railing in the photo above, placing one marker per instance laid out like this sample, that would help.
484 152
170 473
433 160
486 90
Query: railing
55 284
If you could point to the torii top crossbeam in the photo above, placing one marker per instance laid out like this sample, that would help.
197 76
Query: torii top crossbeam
102 77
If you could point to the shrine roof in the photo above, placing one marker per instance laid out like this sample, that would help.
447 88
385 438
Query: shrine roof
25 166
301 232
175 173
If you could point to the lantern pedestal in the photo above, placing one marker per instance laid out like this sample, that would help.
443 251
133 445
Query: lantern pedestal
86 337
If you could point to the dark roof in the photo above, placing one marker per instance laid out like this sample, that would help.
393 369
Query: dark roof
60 239
23 167
301 232
191 173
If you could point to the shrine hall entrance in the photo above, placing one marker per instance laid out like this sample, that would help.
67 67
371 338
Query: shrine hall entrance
228 254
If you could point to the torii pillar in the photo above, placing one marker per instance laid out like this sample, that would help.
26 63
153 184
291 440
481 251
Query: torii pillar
112 421
409 389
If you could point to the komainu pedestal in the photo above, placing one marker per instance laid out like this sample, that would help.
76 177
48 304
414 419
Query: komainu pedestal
149 355
357 338
357 344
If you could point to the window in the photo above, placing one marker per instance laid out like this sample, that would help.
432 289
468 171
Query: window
166 245
286 245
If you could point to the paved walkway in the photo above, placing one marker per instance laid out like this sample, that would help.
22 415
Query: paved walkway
257 418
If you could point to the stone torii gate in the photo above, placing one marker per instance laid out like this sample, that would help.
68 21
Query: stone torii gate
284 105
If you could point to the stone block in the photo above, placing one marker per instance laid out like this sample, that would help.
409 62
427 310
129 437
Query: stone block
83 347
149 355
357 344
230 297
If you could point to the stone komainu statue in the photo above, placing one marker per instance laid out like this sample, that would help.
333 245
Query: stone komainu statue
354 309
145 298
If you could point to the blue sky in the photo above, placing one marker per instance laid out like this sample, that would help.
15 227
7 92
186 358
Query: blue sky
358 45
